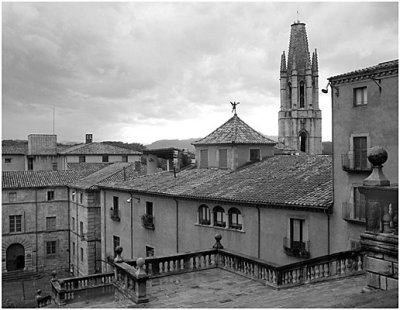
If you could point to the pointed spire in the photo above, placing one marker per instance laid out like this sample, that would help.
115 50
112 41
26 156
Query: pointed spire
308 64
294 63
298 48
315 61
283 62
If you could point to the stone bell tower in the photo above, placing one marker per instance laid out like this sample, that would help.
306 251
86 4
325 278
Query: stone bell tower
299 115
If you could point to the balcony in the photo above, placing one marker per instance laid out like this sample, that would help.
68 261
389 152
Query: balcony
148 221
235 226
299 249
349 164
115 215
204 222
220 224
353 213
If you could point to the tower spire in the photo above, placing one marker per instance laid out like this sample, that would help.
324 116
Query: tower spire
283 62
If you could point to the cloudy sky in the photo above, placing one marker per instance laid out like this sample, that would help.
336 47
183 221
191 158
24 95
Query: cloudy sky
140 72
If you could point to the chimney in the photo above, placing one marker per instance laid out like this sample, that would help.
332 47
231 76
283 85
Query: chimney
89 138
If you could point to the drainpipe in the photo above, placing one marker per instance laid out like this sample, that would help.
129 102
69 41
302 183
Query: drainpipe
36 235
105 221
329 233
131 225
259 234
69 230
78 226
177 225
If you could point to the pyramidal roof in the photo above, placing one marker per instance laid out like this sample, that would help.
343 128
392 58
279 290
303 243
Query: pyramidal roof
235 131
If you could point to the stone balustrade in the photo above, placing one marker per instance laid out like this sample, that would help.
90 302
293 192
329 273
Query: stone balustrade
68 289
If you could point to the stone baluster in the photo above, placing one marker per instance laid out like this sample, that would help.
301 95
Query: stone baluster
359 263
326 274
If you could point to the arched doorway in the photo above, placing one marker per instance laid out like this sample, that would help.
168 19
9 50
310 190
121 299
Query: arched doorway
303 142
15 257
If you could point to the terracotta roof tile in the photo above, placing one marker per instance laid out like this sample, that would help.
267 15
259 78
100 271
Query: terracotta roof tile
234 131
384 66
97 148
301 181
17 149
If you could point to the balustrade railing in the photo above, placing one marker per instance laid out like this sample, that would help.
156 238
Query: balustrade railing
68 289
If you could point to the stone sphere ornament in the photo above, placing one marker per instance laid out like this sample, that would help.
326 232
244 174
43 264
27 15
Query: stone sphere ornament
140 262
377 155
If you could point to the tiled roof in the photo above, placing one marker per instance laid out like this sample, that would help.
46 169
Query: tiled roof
32 179
303 181
17 149
234 131
377 71
89 167
98 148
104 174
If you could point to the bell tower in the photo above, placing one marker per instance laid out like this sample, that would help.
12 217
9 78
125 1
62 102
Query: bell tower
299 115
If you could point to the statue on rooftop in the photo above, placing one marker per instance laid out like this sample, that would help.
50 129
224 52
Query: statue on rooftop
234 104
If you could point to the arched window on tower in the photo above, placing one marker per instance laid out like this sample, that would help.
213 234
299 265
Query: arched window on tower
302 94
303 142
290 94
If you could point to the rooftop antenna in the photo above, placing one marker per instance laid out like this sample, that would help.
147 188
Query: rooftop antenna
234 104
298 20
54 119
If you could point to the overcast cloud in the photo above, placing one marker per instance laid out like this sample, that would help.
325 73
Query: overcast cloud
139 72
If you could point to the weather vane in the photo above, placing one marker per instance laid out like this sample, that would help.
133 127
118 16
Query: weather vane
234 104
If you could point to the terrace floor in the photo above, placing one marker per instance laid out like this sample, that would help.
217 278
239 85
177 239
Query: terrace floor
217 288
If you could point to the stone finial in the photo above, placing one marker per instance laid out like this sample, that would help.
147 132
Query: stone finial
377 156
218 244
140 266
118 258
283 62
54 275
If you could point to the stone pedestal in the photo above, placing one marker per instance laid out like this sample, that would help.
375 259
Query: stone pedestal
381 262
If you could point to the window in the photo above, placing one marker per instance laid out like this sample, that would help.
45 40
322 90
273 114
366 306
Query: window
55 166
235 219
149 251
50 195
105 159
51 223
219 217
302 94
7 160
114 212
15 223
149 208
359 205
254 155
124 158
290 94
296 234
204 215
30 163
81 228
73 224
303 142
51 247
73 248
81 254
360 96
80 197
223 158
148 217
82 158
360 152
116 242
12 197
204 158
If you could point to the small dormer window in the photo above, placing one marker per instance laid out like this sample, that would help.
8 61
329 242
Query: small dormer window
204 158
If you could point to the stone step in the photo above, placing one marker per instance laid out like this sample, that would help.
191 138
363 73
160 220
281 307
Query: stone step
19 275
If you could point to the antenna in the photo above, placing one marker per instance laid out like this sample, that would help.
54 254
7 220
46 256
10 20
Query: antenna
298 15
54 119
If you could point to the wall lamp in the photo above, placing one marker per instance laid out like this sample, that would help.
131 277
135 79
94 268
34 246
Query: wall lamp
325 90
130 199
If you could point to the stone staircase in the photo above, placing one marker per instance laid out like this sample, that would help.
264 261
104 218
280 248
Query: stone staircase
20 275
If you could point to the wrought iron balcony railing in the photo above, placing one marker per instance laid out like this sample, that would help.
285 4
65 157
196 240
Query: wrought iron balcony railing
296 248
349 164
115 215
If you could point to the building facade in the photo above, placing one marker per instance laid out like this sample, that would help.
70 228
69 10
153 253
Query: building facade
299 116
364 114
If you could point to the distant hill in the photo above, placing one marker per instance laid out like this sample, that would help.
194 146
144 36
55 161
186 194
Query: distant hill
179 144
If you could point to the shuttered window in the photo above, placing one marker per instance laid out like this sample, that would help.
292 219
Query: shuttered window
360 152
204 158
223 158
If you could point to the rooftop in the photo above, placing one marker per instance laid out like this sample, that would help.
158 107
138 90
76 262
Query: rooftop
303 181
234 131
97 148
32 179
381 69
